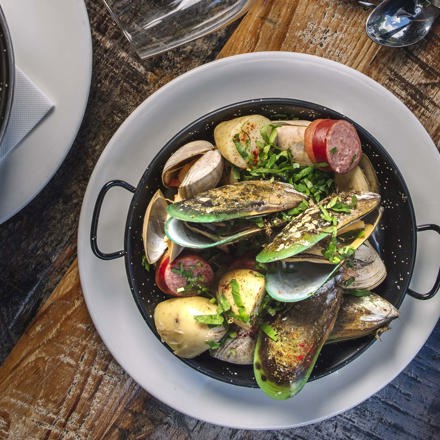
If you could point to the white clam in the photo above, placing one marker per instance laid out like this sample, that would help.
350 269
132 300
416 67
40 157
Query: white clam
181 160
204 174
153 234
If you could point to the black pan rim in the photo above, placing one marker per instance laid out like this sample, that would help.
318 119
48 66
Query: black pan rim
369 340
7 74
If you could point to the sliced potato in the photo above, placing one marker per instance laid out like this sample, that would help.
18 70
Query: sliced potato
248 128
175 322
250 286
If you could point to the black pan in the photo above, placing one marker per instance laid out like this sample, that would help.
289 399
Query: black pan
395 238
7 74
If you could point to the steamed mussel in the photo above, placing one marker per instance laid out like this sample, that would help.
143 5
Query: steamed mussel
262 237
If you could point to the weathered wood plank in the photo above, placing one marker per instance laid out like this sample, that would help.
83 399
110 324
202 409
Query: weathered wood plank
335 30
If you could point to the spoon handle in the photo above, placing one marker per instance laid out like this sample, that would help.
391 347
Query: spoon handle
368 4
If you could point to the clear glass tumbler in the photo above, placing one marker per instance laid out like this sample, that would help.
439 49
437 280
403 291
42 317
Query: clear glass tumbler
154 26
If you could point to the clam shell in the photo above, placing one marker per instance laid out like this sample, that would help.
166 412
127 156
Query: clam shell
187 153
362 178
204 174
367 271
239 350
153 235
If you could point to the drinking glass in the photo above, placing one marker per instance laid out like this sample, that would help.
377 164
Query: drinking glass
154 26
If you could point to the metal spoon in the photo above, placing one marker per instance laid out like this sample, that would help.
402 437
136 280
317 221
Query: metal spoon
399 23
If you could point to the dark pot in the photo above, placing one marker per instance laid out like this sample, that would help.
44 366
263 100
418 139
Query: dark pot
395 238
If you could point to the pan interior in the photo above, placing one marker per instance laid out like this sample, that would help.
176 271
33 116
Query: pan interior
395 237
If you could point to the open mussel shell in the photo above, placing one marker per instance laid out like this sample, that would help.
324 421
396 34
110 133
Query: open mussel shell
309 227
153 235
358 316
242 199
283 366
352 235
361 316
296 280
204 174
188 235
186 154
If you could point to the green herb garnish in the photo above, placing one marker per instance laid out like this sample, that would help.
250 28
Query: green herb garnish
210 319
269 331
359 292
145 263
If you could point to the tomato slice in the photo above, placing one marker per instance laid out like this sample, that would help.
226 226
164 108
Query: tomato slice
320 139
308 139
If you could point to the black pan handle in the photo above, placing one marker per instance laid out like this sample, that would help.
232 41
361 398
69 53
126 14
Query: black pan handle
95 219
436 286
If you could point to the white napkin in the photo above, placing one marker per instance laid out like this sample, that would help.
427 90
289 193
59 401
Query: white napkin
30 105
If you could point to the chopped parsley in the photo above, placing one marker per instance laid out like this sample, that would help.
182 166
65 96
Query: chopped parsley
269 331
145 263
242 315
359 292
214 320
269 162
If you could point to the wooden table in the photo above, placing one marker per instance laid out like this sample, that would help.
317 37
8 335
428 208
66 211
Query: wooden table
59 380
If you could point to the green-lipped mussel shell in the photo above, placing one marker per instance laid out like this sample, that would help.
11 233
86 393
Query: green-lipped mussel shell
297 278
241 199
362 316
309 228
282 367
357 317
354 238
293 282
208 235
179 232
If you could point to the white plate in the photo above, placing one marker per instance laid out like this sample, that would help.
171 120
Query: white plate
52 44
106 290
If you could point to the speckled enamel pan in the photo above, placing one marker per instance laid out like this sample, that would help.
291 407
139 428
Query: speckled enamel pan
7 74
395 238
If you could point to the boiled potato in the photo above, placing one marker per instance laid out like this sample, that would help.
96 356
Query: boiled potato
251 287
175 323
247 128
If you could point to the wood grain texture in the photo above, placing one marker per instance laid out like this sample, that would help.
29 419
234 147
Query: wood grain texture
335 30
60 381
